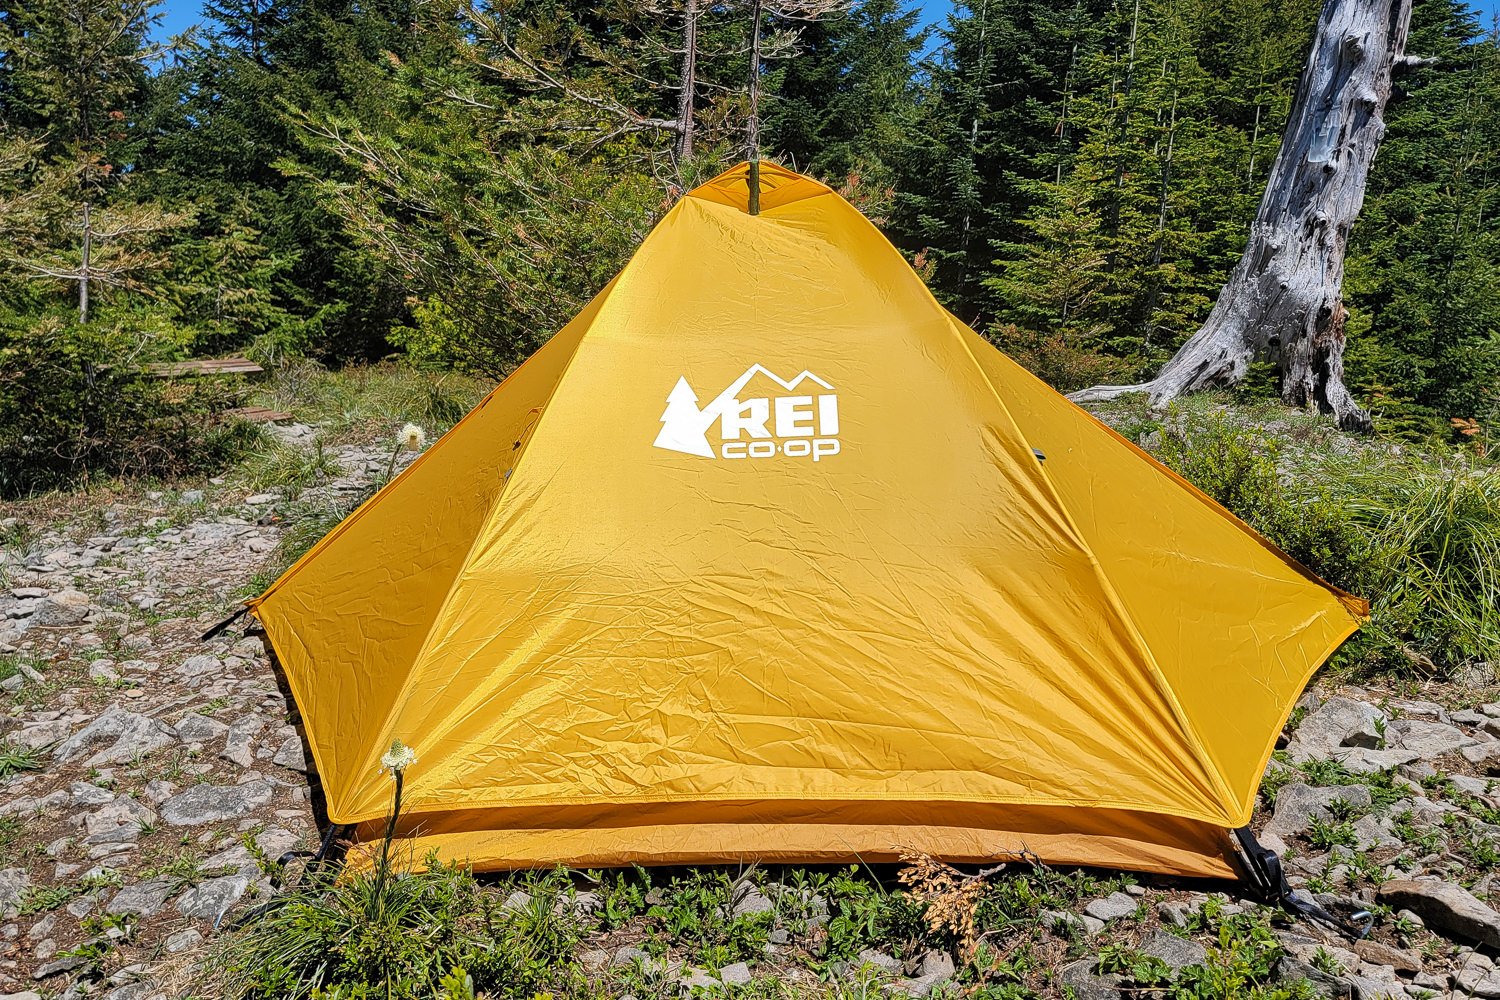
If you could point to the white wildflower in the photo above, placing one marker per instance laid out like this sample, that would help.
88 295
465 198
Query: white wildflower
398 758
413 437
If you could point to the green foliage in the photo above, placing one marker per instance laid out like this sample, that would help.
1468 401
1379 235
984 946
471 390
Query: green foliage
431 931
697 914
14 760
74 405
1419 538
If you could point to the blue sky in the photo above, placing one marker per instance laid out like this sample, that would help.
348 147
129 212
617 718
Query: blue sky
179 15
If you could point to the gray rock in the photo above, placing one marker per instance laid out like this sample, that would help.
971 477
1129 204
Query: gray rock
195 728
1297 805
1485 756
1383 954
213 898
1290 968
13 884
239 742
41 735
1111 907
197 670
1178 953
628 955
880 960
922 986
1362 761
1365 988
1444 907
116 822
736 974
1429 740
750 900
1086 985
65 964
183 940
292 755
85 794
936 963
66 607
1371 835
594 958
1339 722
1063 922
1175 914
212 803
190 497
144 898
128 736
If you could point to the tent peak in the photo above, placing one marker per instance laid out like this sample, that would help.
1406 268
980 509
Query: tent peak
778 186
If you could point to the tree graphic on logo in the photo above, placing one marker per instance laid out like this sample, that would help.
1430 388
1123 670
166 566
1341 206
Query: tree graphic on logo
684 427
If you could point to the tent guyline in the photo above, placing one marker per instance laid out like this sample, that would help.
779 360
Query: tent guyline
775 570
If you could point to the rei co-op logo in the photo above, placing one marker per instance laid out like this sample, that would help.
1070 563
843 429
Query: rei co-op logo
801 422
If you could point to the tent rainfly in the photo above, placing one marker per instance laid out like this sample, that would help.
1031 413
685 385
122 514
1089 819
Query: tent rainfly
765 555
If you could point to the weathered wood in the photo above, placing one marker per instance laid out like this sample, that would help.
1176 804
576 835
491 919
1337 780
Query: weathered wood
1283 300
258 414
204 366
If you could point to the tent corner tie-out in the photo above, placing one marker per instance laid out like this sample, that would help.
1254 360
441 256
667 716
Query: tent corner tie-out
798 569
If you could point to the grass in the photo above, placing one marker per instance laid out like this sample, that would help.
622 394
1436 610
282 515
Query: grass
1418 535
14 760
357 404
286 467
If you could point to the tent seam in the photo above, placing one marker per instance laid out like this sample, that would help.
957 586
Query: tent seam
1164 688
603 300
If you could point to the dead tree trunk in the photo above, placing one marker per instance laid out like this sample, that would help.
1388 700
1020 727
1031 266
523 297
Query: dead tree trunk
688 83
1283 300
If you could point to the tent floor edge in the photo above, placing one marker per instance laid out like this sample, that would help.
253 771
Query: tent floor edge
1264 873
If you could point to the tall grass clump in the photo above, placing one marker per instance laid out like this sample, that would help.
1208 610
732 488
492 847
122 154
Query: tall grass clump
356 403
398 930
1435 530
1419 538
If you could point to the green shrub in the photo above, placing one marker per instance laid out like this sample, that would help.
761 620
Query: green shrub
415 935
75 405
1419 539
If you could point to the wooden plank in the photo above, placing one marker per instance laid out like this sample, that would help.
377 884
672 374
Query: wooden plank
205 366
258 414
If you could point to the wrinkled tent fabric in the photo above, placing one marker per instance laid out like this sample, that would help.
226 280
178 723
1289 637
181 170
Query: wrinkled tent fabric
760 558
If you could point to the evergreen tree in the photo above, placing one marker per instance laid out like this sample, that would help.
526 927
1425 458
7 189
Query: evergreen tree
845 104
1424 262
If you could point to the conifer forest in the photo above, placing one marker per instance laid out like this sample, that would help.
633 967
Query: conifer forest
449 183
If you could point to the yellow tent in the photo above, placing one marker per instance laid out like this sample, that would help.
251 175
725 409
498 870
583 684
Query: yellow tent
765 555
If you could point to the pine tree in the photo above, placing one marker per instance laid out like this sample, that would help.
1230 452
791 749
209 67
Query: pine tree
1424 265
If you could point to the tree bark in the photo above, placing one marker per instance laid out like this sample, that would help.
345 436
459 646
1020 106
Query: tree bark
689 83
1283 300
752 123
83 269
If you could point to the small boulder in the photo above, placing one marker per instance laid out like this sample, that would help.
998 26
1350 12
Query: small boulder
1298 805
1111 907
202 804
213 898
125 737
1339 722
1177 952
1444 906
1429 740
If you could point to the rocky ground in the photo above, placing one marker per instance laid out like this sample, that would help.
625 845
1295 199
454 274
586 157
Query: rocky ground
149 780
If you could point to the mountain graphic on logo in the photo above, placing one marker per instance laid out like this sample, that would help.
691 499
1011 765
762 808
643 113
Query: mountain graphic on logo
684 427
